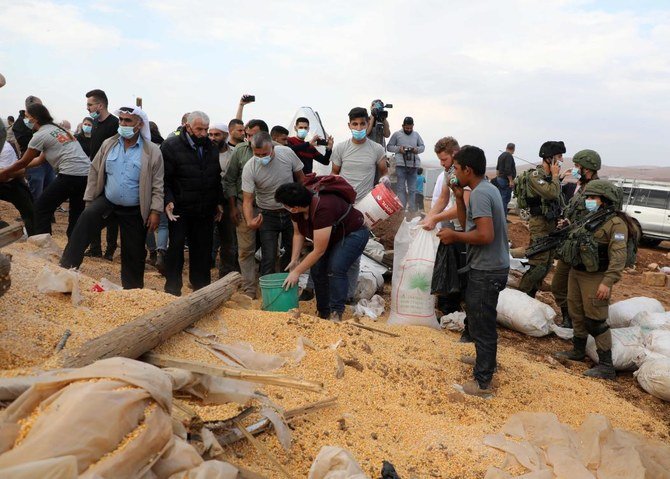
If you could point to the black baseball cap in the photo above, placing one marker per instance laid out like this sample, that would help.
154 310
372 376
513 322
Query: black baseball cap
408 120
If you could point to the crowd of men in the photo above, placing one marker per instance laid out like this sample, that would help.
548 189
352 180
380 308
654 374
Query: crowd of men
227 189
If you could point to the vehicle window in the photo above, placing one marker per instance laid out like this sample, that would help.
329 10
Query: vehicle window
639 197
657 199
626 193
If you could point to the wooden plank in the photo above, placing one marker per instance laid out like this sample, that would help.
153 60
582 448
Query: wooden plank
10 233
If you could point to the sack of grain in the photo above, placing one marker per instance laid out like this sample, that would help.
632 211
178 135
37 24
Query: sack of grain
413 261
520 312
650 321
622 313
654 377
658 341
627 346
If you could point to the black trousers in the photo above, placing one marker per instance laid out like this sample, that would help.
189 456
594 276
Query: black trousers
199 230
17 193
225 236
133 234
63 188
112 228
275 223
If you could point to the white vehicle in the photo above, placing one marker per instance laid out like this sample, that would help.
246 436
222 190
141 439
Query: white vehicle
648 203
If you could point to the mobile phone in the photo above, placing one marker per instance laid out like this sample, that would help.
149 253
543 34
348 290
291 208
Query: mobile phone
249 98
321 142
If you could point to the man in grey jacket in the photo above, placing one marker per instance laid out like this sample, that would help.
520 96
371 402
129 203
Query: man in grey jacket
406 144
125 181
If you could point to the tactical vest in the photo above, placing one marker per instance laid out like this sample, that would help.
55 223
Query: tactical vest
581 251
527 199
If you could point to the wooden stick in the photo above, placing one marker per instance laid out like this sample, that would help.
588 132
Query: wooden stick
376 330
262 449
234 373
10 233
133 339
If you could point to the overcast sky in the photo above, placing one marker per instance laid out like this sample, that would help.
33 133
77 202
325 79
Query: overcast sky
595 74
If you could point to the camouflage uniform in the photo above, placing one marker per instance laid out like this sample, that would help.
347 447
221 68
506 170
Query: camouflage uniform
588 313
574 211
544 203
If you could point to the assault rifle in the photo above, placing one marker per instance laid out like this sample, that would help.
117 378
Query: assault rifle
591 222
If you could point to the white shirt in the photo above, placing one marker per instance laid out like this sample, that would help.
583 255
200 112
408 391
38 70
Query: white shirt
7 156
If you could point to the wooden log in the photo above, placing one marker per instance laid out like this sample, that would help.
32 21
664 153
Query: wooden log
133 339
273 379
10 233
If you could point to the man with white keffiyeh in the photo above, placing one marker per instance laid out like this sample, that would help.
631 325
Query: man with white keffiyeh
125 181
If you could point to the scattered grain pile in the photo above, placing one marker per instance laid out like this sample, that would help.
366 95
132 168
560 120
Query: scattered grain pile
395 401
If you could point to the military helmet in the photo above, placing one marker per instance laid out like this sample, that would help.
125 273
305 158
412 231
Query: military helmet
552 148
605 189
589 159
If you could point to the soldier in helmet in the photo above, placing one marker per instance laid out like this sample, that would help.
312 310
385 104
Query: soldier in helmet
602 255
587 163
541 191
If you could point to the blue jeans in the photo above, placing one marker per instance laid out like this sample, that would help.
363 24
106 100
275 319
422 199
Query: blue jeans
505 191
330 272
481 300
162 233
39 178
407 186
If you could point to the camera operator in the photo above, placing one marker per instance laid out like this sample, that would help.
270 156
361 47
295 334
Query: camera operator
378 115
406 144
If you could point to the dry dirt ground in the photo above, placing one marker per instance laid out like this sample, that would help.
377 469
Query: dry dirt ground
540 348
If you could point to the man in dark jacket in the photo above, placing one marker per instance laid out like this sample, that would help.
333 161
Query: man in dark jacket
193 196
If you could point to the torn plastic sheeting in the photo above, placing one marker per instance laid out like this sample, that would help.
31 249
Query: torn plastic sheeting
281 428
60 281
563 333
46 244
372 308
538 441
299 353
213 389
244 355
63 467
335 463
658 341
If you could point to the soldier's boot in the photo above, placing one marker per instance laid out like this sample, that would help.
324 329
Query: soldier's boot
605 367
567 320
577 353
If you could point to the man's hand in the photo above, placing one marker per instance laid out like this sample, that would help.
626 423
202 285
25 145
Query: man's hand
603 292
313 141
428 223
244 100
562 223
235 215
458 191
169 208
446 235
152 221
219 213
555 168
256 222
4 176
291 280
330 143
291 266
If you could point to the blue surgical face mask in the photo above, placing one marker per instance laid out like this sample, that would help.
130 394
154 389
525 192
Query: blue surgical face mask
264 160
29 123
575 173
358 134
86 128
591 205
302 133
94 115
126 132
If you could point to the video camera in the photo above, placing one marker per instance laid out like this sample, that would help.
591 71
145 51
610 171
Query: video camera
378 110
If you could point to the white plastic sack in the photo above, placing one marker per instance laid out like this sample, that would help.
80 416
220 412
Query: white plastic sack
59 281
372 308
654 377
453 321
414 258
333 462
626 347
658 341
518 311
650 321
622 313
374 250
